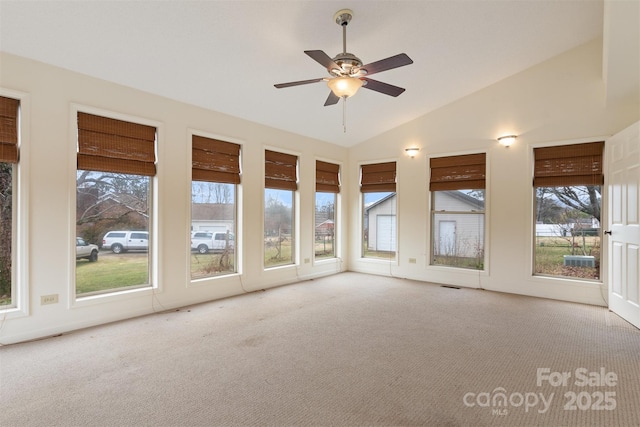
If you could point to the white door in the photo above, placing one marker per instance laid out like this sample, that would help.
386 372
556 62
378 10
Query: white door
623 154
386 233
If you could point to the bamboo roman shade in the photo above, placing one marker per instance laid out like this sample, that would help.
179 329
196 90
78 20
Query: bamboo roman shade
378 177
280 171
566 165
111 145
215 161
9 129
327 177
458 172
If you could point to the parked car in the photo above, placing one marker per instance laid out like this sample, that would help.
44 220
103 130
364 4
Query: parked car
123 241
205 241
86 250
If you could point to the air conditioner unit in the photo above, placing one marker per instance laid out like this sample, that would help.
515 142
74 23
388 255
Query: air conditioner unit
579 261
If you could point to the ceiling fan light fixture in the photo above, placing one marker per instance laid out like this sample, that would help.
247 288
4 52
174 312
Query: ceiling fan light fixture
344 86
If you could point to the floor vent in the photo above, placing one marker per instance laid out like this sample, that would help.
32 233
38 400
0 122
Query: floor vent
449 286
579 261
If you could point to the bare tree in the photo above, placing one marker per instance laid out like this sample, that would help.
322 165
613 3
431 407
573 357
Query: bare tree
211 192
6 226
277 222
110 200
548 210
222 193
583 198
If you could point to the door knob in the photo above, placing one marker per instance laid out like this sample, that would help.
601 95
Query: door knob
608 232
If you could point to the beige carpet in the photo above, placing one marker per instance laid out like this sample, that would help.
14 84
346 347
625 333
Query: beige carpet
350 349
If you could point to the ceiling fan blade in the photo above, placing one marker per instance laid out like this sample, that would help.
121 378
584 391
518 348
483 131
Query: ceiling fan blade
385 88
332 99
396 61
322 58
301 82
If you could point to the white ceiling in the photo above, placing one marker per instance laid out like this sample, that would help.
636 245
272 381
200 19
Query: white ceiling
227 55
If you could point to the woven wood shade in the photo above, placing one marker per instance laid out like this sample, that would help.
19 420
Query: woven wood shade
327 177
378 177
566 165
215 161
458 172
110 145
280 171
9 129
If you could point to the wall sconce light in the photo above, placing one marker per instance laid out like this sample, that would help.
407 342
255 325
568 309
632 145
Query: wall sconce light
507 140
411 152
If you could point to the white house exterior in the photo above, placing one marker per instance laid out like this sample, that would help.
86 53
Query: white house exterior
380 224
558 230
454 234
458 234
214 217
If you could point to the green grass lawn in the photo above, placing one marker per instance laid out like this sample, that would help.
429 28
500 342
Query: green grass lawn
549 257
324 249
208 265
379 254
271 258
460 262
368 253
132 269
112 272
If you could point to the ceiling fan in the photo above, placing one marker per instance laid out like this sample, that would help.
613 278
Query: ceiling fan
347 71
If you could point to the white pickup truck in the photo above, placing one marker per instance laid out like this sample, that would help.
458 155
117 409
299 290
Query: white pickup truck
205 241
86 250
123 241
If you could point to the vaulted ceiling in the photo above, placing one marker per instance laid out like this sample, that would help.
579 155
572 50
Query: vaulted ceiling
227 55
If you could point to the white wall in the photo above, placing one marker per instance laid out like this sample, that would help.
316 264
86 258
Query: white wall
48 161
559 101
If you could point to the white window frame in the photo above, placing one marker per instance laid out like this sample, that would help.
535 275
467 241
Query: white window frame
487 218
155 255
396 260
337 209
20 295
295 215
336 196
603 219
238 210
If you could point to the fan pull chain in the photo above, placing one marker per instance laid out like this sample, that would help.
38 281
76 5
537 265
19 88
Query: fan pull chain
344 114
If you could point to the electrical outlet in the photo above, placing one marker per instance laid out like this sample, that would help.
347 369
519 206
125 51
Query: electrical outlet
49 299
307 260
412 260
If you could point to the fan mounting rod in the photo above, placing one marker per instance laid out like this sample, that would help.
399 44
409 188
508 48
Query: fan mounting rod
349 63
342 18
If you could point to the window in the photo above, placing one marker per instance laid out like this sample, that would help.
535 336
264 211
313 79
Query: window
457 187
116 163
568 183
280 185
215 176
327 190
9 153
378 188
